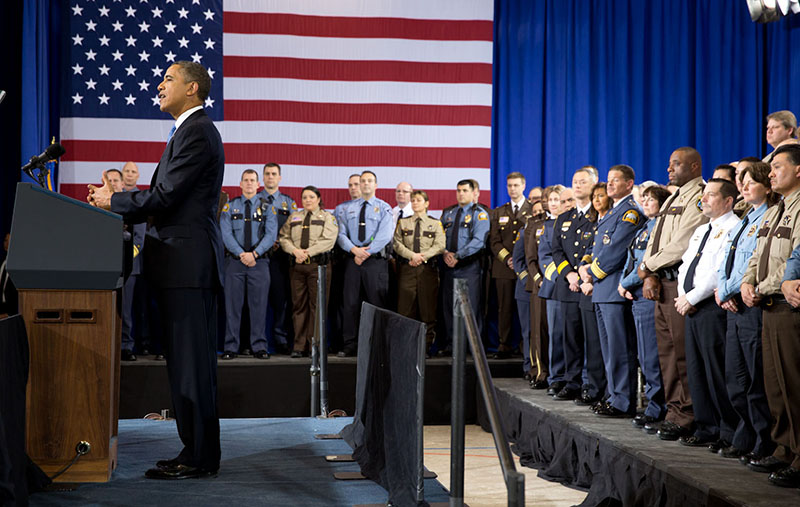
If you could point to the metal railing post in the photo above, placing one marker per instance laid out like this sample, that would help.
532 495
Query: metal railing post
457 398
322 323
515 481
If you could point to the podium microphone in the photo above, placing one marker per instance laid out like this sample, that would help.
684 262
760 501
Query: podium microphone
52 152
2 95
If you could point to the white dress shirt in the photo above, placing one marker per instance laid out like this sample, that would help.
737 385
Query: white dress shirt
705 274
407 212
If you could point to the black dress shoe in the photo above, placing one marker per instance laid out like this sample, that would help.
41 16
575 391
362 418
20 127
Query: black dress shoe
168 463
128 355
296 354
718 445
608 410
228 355
446 352
159 357
641 420
555 387
567 394
585 399
695 441
766 464
745 459
501 354
670 431
732 452
261 354
597 405
788 477
652 427
527 377
539 384
177 472
346 353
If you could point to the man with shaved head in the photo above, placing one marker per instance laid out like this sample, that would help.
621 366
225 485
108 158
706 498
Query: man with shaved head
678 218
402 195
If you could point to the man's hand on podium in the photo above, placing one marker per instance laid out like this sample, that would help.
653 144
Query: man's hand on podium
100 197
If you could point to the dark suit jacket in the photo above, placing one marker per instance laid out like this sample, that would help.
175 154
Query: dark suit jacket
183 246
572 236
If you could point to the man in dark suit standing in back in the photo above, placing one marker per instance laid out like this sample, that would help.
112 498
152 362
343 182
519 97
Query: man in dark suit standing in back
182 262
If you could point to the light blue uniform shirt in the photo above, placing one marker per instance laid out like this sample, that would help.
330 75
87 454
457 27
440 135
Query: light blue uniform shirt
378 225
472 227
635 254
729 287
282 205
263 223
793 266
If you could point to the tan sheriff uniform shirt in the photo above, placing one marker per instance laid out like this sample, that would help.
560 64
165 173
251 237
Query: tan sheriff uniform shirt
680 217
785 233
431 238
323 232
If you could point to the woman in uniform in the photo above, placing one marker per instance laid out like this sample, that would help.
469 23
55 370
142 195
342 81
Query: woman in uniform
417 240
308 235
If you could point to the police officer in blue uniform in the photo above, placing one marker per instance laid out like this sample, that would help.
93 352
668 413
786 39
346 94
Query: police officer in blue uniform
617 331
466 228
129 292
249 228
365 230
572 236
280 295
630 287
523 298
555 330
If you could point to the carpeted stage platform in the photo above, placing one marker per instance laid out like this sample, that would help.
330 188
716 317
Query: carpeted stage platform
622 465
264 462
281 387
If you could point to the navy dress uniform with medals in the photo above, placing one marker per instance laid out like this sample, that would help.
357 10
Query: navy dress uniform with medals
466 229
523 298
279 266
363 223
573 234
615 232
248 225
506 222
555 328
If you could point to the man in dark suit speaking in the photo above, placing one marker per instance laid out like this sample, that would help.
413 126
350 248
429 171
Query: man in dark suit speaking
182 261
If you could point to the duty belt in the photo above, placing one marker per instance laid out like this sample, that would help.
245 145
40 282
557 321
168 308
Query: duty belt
670 273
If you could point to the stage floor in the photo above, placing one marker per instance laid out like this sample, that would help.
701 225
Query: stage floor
264 462
569 444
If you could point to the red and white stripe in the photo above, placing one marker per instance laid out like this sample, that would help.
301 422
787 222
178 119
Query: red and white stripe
328 89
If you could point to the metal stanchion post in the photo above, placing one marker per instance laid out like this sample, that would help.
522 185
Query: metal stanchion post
322 306
314 370
457 398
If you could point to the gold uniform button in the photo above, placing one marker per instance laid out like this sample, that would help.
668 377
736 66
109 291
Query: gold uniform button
576 243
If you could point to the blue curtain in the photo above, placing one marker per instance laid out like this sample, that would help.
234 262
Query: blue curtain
605 82
41 40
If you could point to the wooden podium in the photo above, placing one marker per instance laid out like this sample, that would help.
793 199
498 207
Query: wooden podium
65 258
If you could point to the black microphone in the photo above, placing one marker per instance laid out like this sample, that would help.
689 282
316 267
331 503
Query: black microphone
2 95
52 152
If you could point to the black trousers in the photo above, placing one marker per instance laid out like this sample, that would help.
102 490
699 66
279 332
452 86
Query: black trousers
594 369
373 277
705 369
744 375
189 328
572 323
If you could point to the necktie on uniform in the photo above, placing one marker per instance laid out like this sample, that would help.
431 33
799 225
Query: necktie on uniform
417 233
452 245
688 282
305 236
400 215
248 229
171 133
515 210
763 261
732 253
270 199
362 222
660 224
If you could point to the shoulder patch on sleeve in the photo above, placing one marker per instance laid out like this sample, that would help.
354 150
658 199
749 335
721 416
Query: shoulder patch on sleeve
631 216
700 205
294 206
483 216
226 207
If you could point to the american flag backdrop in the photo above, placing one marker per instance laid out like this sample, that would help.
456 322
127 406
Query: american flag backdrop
326 88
